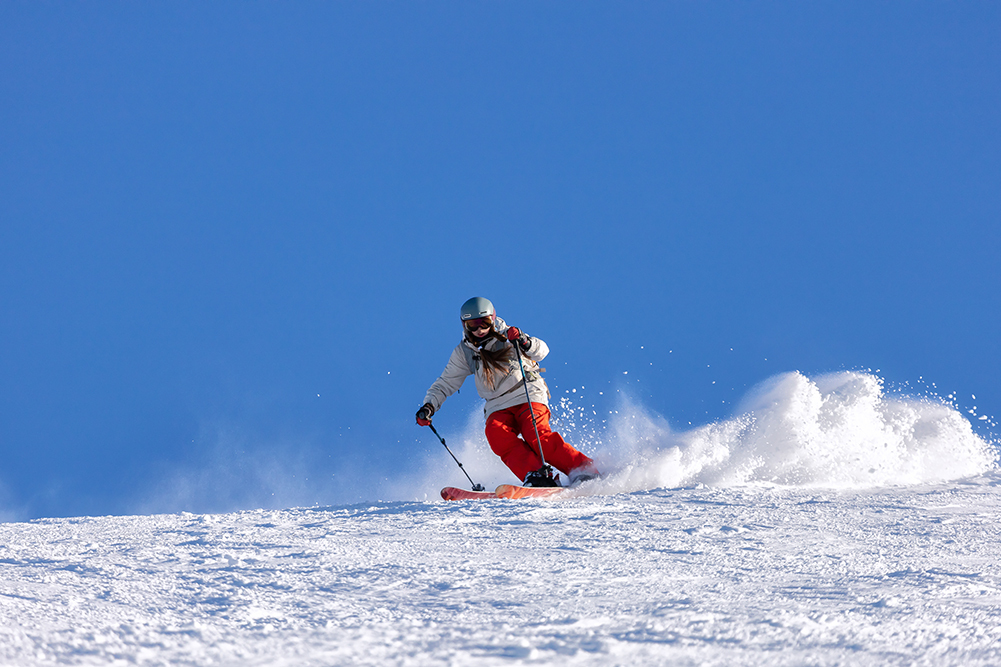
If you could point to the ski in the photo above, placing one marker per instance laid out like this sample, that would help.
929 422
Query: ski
452 493
513 491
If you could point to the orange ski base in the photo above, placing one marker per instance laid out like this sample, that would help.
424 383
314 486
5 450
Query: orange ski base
514 492
509 491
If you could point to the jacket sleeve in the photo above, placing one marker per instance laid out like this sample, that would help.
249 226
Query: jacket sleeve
455 373
538 350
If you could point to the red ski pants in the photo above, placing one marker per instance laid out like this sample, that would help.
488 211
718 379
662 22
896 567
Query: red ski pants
521 455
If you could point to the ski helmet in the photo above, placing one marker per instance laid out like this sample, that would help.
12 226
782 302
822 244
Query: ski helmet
476 307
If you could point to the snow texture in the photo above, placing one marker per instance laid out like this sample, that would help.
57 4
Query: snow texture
826 524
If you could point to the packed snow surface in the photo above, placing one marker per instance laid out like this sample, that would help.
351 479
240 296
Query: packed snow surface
769 576
824 524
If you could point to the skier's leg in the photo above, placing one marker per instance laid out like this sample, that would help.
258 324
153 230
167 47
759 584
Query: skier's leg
558 453
502 434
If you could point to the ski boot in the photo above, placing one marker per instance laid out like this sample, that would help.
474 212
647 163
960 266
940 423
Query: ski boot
542 477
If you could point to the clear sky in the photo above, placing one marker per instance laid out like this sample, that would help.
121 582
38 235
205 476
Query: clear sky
234 237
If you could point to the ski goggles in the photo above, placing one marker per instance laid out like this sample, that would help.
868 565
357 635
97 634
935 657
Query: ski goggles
479 323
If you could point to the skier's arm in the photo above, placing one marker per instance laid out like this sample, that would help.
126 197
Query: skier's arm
537 349
455 373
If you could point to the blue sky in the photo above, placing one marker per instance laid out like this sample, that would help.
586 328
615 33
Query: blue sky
233 234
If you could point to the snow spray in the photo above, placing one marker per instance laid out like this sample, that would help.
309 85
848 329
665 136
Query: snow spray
839 430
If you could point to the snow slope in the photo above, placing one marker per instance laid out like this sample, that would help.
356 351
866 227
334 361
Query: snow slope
769 576
774 538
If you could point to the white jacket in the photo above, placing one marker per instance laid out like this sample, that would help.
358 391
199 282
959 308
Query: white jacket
509 386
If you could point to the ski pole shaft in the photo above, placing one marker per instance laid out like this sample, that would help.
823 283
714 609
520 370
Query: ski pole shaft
476 487
528 397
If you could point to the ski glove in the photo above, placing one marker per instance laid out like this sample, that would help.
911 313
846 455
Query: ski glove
515 334
424 415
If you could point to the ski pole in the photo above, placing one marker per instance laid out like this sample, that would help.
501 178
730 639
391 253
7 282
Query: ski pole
476 487
517 349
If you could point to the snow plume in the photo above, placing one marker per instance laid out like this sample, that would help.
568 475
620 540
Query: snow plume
10 510
834 431
238 469
838 431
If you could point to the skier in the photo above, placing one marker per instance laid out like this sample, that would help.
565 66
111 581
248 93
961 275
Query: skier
487 351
